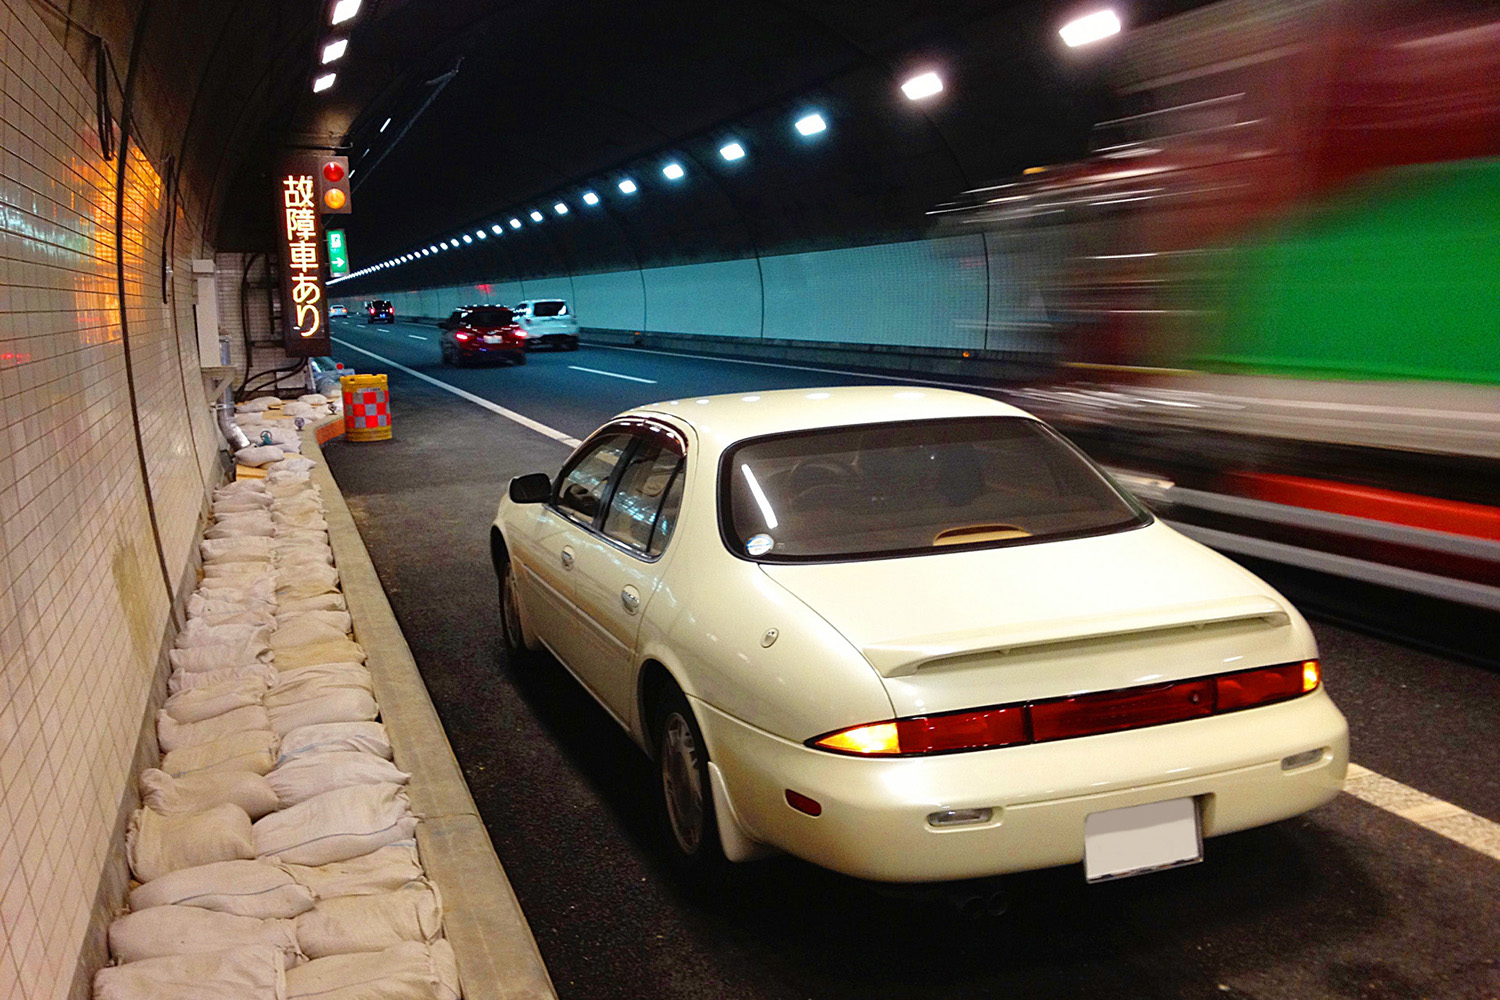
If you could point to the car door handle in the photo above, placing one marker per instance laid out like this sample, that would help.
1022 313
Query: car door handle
567 558
631 599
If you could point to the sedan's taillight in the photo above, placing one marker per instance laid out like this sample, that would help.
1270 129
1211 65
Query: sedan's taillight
461 335
1080 715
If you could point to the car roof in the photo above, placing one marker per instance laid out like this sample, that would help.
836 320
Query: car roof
721 421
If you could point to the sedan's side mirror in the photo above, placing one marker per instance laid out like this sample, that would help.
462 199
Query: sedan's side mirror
535 488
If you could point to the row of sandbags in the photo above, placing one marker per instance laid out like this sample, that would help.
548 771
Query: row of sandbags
273 438
274 853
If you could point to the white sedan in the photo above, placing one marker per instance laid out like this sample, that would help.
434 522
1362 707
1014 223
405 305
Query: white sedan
911 635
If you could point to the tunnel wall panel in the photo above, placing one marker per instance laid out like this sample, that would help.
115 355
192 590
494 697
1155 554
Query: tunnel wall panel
611 301
721 299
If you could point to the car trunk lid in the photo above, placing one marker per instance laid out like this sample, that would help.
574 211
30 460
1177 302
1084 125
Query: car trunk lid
958 630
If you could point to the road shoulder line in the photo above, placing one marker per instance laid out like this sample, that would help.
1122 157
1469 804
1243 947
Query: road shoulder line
1429 812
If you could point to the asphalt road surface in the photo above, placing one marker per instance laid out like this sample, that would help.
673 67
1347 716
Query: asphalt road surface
1351 901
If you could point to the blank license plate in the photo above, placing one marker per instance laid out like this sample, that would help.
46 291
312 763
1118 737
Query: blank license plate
492 339
1118 843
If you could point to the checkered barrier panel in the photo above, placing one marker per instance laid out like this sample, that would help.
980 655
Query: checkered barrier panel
367 408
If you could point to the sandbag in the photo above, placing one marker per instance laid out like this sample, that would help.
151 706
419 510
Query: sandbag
253 750
237 519
196 634
408 971
254 973
183 680
214 700
338 705
183 930
328 737
337 651
201 658
249 587
311 554
338 619
258 404
218 549
348 924
336 825
310 775
218 576
261 454
260 889
236 486
200 606
299 564
285 438
318 681
331 601
240 530
156 844
293 464
384 870
205 789
307 521
235 505
302 631
262 615
174 735
289 487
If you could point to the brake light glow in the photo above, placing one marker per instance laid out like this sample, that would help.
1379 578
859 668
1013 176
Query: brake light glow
1080 715
461 335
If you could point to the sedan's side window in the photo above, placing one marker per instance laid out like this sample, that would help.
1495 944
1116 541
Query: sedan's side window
581 491
666 521
643 484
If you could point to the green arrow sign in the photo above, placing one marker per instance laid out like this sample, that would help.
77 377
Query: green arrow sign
338 254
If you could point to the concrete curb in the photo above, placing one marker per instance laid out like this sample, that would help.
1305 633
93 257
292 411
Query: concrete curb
497 955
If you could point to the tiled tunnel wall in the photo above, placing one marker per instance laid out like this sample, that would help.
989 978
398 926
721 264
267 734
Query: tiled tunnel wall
84 606
961 292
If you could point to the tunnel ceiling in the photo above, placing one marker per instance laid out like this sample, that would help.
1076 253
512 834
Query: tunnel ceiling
501 108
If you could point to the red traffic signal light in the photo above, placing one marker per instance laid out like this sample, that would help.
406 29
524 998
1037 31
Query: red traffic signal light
333 184
333 171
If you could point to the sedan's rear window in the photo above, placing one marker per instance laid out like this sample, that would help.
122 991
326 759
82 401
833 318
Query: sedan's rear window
913 487
556 307
489 317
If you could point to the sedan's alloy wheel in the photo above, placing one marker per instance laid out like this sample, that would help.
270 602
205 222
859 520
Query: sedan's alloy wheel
682 783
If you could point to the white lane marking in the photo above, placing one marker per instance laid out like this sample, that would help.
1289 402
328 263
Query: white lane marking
522 419
413 336
596 371
885 379
1443 818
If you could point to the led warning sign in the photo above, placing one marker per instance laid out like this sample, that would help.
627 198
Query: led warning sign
304 307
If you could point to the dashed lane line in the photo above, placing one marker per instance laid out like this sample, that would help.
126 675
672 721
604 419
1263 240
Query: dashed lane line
597 371
495 408
1429 812
414 336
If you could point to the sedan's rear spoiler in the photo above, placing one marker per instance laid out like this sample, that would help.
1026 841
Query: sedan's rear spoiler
905 656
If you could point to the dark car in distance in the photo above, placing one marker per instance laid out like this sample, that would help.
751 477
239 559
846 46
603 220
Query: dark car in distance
380 311
476 333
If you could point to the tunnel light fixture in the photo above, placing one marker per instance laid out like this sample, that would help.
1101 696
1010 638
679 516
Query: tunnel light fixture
433 248
443 245
385 125
560 208
497 229
335 50
468 238
343 10
515 223
322 83
536 216
732 151
1090 28
590 198
811 124
627 186
481 234
673 171
922 86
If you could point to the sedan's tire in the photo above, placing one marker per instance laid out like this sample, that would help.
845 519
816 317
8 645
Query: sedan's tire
512 628
687 800
519 358
571 345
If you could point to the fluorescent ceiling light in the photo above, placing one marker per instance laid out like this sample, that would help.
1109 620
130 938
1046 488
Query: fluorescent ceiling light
590 198
445 244
343 11
497 230
732 151
481 234
673 171
560 208
811 124
515 223
627 186
468 238
322 83
921 86
1090 28
334 50
536 216
433 248
385 125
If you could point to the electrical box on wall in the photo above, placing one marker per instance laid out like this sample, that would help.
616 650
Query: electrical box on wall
206 313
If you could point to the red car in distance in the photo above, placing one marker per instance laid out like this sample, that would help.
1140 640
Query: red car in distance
476 333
